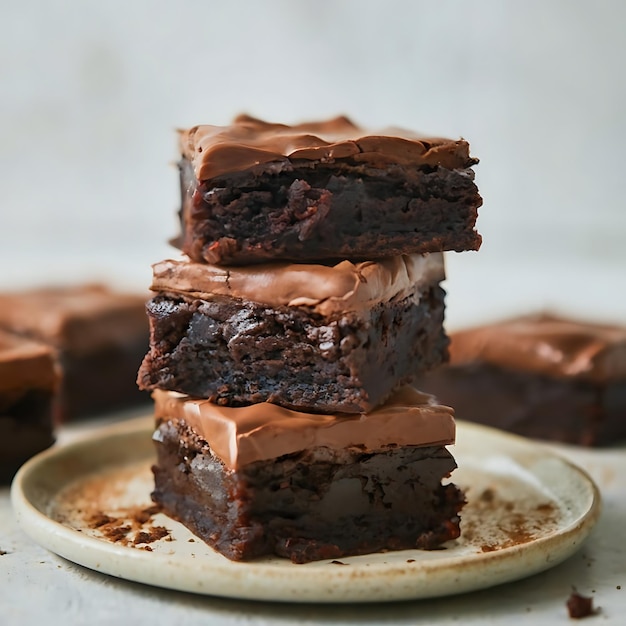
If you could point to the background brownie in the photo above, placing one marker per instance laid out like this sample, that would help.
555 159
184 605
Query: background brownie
254 192
264 480
540 376
332 338
28 381
100 337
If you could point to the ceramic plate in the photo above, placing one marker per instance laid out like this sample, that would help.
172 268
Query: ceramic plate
89 502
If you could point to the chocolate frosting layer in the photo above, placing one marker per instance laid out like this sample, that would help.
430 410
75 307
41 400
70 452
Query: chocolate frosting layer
242 435
546 344
78 318
217 150
324 288
25 364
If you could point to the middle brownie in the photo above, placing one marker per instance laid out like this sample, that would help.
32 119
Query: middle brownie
338 338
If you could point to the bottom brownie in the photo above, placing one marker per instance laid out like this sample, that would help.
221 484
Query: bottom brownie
320 503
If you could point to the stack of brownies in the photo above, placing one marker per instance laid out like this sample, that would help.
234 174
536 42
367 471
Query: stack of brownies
283 343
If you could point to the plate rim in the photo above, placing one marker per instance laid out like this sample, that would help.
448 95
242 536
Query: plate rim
85 550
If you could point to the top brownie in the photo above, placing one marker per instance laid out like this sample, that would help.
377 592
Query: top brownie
255 191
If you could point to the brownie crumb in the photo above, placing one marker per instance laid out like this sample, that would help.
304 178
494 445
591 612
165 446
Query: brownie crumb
580 606
153 534
117 534
338 563
148 548
3 552
142 537
191 540
618 586
410 560
100 519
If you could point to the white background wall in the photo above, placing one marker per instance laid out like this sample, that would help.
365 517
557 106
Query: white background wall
90 93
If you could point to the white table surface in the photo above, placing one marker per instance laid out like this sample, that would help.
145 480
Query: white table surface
39 587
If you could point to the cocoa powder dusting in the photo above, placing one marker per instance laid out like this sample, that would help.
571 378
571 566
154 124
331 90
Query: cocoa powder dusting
487 495
492 522
153 534
130 527
100 519
115 533
144 515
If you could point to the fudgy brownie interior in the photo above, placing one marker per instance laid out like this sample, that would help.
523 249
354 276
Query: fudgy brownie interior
239 353
305 211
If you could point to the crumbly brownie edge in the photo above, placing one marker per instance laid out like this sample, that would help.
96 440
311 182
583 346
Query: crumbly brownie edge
312 211
307 506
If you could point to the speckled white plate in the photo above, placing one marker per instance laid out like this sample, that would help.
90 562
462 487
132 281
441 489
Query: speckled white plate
527 511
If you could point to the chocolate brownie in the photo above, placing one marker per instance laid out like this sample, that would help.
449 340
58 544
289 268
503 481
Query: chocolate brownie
256 192
28 381
262 480
99 335
540 376
330 338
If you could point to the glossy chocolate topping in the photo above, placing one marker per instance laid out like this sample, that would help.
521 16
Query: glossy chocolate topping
324 288
243 435
25 364
547 345
76 318
216 150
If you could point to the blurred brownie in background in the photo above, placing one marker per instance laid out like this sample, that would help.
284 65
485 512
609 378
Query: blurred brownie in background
28 380
100 337
540 376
